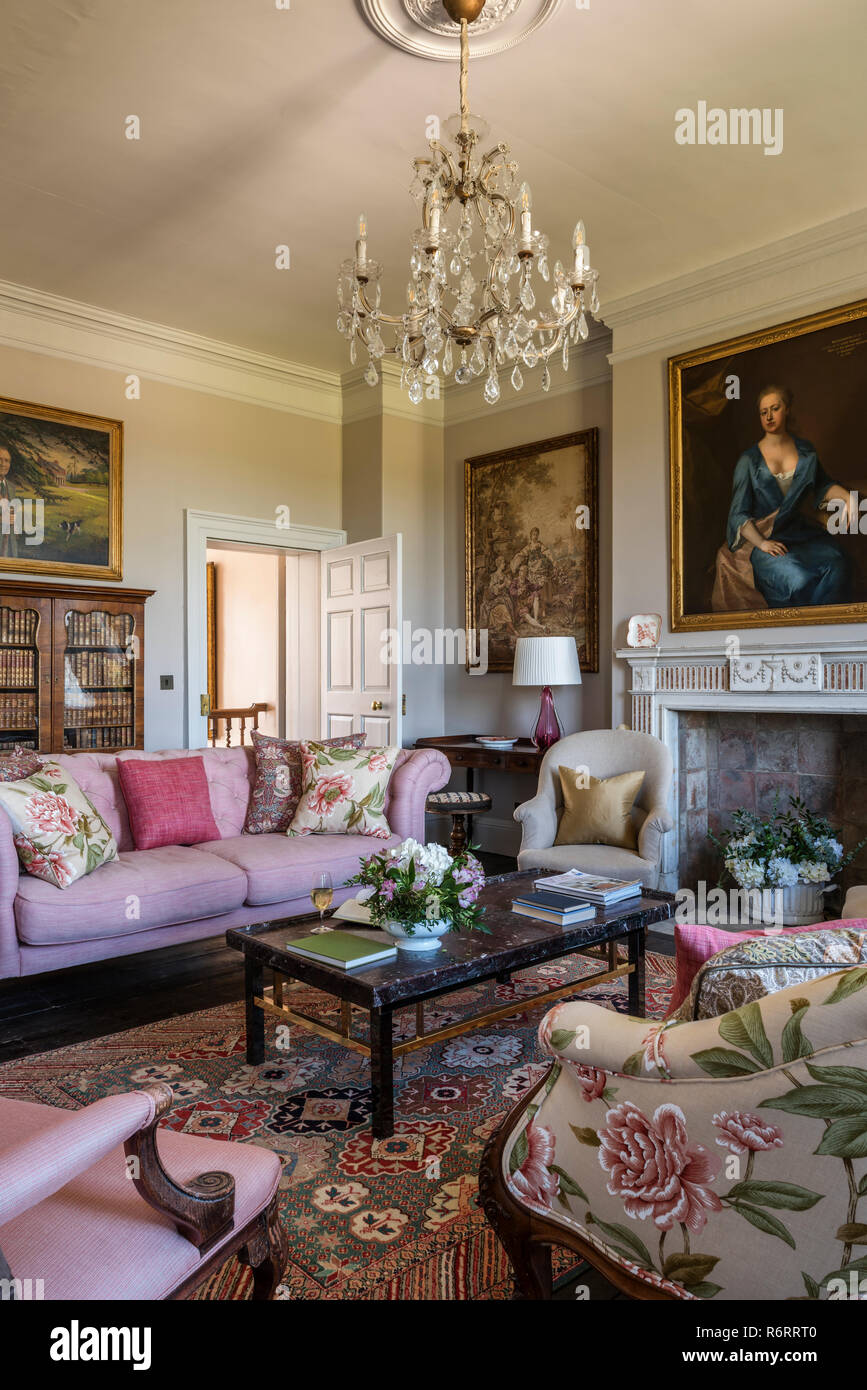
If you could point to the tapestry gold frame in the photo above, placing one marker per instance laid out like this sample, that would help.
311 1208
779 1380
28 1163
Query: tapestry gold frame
764 617
22 564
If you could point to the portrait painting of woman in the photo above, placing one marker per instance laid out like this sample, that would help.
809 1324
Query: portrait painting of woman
765 450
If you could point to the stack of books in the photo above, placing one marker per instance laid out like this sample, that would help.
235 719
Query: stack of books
590 888
553 907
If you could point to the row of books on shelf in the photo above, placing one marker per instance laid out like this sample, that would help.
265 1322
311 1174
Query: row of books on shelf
99 668
18 667
17 711
574 896
109 736
99 629
84 709
9 739
17 625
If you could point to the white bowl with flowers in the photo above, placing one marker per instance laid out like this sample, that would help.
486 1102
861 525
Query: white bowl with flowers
418 893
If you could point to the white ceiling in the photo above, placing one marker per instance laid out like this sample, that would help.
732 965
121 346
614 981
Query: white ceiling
263 126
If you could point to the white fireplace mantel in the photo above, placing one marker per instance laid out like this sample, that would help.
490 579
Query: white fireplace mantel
736 675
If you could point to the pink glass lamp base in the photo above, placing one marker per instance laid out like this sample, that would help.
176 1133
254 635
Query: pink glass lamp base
548 728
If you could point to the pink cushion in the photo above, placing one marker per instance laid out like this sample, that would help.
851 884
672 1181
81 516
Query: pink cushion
278 868
695 944
140 890
98 1239
168 801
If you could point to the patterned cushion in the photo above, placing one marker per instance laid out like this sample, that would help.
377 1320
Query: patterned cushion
58 832
277 789
168 802
344 791
696 943
760 965
18 764
459 801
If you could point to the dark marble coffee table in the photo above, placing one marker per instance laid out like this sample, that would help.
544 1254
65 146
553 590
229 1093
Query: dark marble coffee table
515 943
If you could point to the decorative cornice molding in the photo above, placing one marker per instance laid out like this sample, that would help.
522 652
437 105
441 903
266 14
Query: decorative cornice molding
653 314
48 323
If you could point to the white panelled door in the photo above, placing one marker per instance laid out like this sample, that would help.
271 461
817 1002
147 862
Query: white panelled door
362 678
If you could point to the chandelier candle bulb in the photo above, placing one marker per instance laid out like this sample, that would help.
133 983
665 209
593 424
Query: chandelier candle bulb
526 218
361 246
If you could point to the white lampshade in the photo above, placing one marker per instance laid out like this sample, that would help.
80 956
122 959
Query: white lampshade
546 661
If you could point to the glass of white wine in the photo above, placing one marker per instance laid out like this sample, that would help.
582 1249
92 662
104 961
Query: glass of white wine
321 895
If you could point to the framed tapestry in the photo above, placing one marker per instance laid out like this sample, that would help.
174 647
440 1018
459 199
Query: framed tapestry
769 477
61 500
532 541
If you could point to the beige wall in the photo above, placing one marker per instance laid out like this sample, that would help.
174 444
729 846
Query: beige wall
490 703
641 533
185 448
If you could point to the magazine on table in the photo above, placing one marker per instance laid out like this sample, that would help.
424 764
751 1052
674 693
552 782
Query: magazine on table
593 888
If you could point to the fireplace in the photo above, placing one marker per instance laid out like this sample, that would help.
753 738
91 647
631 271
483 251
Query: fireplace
745 727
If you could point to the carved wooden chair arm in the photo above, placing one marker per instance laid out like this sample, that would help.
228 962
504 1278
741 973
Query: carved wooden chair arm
203 1210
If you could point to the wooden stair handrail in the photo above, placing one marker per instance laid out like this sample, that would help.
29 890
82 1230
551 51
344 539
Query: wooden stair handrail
229 716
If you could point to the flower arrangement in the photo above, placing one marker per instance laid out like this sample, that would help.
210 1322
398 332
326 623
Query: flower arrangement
415 884
794 846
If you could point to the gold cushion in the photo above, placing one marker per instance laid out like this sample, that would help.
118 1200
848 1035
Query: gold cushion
598 812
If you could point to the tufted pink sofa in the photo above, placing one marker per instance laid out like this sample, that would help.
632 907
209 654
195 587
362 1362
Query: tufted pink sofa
153 898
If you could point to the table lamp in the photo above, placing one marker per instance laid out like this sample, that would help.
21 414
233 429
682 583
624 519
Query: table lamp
546 661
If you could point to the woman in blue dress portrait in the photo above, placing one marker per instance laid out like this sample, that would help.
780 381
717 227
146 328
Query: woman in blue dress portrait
775 556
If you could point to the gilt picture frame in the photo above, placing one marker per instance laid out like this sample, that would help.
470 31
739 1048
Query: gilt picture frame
532 546
61 492
811 564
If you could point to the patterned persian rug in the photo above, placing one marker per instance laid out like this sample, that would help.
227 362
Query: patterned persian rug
367 1219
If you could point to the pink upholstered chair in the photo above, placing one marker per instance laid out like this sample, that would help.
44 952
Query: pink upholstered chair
90 1210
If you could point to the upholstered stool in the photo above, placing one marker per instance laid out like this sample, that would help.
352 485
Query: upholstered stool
461 806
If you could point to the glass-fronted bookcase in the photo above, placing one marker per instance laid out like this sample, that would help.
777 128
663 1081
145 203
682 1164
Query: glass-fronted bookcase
71 667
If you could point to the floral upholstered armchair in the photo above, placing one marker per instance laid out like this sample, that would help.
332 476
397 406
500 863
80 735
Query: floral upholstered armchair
724 1158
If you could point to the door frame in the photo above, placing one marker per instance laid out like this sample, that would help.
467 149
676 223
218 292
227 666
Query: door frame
200 528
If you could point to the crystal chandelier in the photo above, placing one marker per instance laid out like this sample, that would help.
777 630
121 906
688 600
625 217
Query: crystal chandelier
471 303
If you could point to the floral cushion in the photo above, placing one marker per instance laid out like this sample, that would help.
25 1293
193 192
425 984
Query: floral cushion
58 832
20 763
751 968
725 1158
344 791
277 789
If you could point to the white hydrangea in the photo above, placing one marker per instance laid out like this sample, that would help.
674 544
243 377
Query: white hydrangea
813 873
829 850
746 872
432 862
742 843
781 873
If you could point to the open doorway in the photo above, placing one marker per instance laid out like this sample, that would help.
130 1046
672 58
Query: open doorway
325 615
263 638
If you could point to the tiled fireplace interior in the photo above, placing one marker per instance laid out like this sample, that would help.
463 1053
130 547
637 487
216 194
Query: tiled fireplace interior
731 760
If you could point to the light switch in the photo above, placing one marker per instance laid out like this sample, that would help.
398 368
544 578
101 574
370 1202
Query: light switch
167 682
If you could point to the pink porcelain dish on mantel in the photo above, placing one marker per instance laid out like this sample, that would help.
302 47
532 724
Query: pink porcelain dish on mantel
645 630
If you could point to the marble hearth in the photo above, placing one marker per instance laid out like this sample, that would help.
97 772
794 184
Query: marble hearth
743 727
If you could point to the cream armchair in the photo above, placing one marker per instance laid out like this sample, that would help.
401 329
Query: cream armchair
607 753
719 1159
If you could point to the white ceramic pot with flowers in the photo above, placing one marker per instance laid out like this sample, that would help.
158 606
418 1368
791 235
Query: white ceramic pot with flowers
785 862
418 893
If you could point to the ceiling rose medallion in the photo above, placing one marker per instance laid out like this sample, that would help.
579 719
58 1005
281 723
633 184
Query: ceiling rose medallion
474 304
425 28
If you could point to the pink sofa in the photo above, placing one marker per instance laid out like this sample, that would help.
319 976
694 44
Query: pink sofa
153 898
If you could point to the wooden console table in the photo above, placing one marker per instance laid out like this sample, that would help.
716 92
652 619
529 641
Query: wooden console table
463 751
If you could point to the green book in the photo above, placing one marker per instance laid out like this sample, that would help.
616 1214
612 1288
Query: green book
341 949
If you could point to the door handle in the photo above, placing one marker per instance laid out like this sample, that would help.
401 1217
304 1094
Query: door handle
377 704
